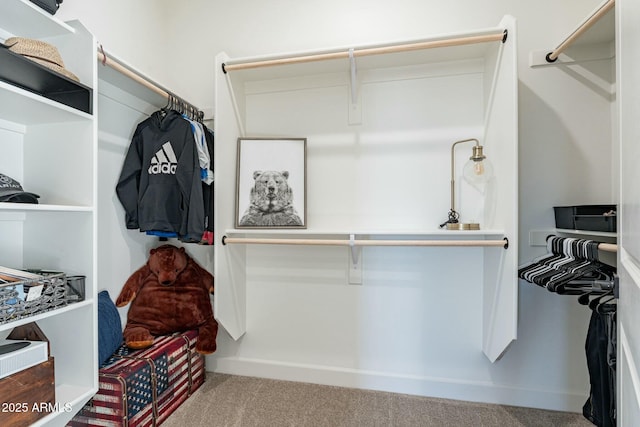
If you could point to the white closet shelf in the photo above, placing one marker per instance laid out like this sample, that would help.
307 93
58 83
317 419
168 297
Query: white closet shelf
46 314
28 108
25 19
461 46
66 394
382 233
539 237
30 207
49 145
368 238
592 39
132 81
139 87
588 233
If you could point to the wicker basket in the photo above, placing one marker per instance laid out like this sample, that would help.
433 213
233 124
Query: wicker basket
28 298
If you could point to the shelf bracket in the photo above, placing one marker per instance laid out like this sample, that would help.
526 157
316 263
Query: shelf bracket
355 110
355 250
354 74
355 262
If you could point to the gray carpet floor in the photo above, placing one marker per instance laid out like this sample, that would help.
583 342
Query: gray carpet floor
229 400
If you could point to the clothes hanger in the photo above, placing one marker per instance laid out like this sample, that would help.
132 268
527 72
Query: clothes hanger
605 297
595 282
586 273
568 259
607 306
556 253
163 110
560 271
170 105
604 291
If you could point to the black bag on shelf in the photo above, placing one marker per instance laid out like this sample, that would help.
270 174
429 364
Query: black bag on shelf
50 6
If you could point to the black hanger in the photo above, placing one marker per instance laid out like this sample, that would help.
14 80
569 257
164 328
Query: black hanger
605 297
170 105
571 267
607 306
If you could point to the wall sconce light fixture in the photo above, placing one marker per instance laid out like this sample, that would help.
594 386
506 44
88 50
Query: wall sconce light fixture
478 170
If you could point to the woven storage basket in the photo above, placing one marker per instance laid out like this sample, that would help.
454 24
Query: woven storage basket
14 303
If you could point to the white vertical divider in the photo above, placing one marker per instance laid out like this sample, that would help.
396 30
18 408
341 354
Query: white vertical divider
229 270
500 292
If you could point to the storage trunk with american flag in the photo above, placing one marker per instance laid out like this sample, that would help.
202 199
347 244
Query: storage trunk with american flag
142 388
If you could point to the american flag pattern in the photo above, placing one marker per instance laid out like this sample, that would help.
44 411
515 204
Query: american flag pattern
140 388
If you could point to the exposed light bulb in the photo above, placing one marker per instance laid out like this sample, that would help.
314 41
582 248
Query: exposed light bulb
477 172
478 168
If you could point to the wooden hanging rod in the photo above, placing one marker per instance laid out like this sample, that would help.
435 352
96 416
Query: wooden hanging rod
588 23
457 41
343 242
608 247
105 60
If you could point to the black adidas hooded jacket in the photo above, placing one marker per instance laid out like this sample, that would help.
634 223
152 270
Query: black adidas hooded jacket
159 186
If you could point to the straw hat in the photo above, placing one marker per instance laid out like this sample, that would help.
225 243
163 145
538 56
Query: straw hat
38 51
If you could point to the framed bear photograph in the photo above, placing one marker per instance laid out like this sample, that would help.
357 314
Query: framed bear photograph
271 181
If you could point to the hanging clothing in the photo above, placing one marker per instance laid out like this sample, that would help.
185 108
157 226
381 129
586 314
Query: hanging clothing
207 192
204 158
600 347
572 267
160 184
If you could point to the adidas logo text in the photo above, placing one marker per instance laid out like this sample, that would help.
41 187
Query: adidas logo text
166 168
164 161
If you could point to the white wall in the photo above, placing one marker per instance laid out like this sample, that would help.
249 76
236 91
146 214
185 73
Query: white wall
565 150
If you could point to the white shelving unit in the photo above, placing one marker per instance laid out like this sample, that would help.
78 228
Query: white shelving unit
380 121
592 39
50 148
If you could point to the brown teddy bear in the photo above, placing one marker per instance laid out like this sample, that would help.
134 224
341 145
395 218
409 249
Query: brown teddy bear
170 293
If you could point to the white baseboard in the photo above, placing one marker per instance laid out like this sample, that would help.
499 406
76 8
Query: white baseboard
474 391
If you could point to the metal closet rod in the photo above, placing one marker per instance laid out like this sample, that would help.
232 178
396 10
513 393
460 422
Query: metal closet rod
352 242
456 41
588 23
105 60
